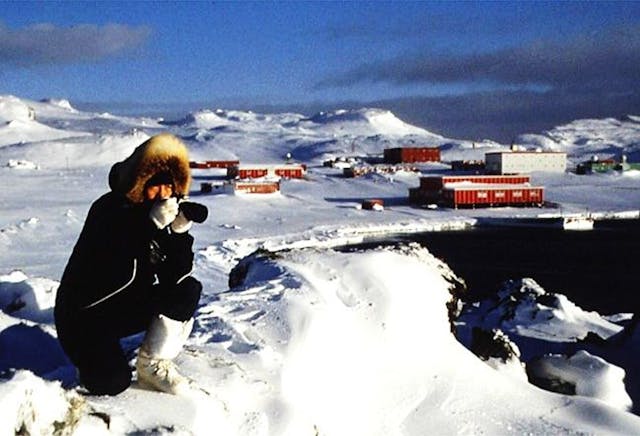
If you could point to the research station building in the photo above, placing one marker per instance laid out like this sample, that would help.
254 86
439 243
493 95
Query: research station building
411 155
516 162
477 191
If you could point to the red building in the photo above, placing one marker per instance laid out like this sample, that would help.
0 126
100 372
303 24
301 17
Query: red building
435 183
246 172
492 195
286 171
411 154
477 190
213 164
263 187
291 171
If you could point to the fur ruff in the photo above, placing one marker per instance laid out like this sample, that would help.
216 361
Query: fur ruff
163 152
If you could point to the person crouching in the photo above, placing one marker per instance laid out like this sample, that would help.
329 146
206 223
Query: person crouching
130 272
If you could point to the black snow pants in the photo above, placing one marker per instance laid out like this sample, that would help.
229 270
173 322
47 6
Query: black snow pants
91 337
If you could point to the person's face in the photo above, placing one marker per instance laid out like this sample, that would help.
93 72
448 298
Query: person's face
158 192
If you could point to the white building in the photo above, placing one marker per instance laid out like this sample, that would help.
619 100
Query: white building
515 162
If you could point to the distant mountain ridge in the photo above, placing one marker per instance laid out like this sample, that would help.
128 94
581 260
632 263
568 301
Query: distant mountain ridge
252 137
607 136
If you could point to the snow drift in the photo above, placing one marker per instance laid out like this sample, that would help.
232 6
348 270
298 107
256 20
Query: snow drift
312 341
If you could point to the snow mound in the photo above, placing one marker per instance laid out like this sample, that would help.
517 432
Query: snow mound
27 298
12 108
109 149
194 414
32 406
372 326
635 174
204 119
26 131
523 309
233 120
7 232
538 141
299 309
22 164
587 375
546 328
81 151
373 121
61 103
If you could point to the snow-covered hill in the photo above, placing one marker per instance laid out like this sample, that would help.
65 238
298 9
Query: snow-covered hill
251 137
305 340
213 134
609 137
12 109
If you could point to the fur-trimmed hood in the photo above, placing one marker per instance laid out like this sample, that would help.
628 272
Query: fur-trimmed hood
160 153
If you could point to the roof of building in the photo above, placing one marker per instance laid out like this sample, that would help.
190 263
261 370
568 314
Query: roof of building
467 186
525 152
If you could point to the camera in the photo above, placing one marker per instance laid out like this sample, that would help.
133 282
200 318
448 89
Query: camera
193 211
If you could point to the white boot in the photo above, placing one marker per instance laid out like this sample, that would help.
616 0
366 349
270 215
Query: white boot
162 343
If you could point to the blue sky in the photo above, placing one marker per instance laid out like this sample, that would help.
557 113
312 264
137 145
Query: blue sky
458 68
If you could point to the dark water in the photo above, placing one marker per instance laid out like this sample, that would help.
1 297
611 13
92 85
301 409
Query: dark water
597 270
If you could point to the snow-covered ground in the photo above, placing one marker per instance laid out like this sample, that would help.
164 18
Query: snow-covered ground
310 340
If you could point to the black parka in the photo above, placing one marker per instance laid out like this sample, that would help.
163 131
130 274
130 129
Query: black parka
114 255
120 254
